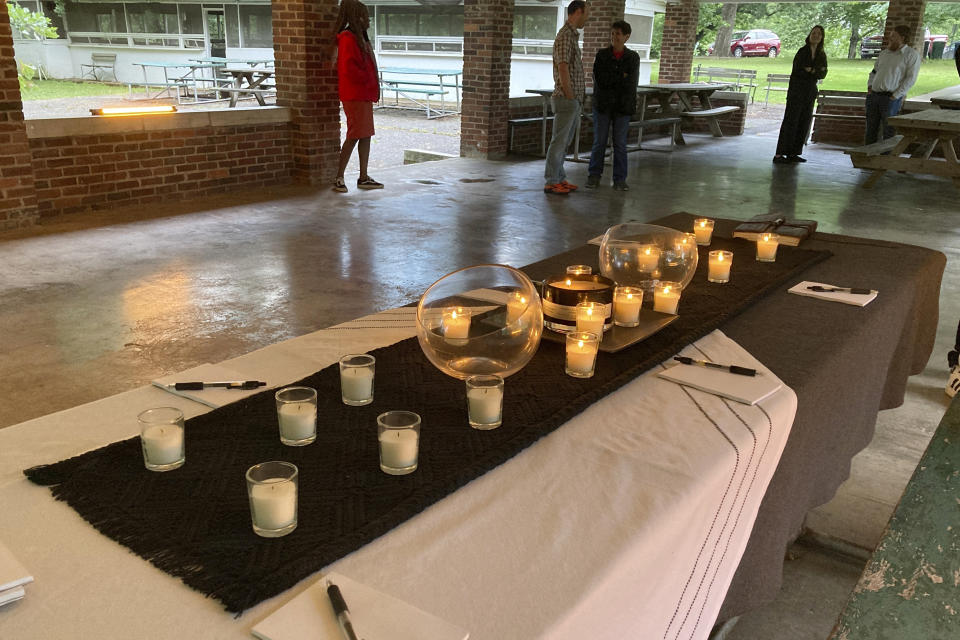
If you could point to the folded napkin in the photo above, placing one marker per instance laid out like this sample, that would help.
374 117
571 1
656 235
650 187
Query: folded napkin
744 389
12 577
375 616
214 396
856 299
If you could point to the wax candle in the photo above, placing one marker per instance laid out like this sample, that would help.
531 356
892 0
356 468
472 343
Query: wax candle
298 420
516 305
456 323
719 266
703 230
666 297
274 503
581 354
162 444
767 245
484 401
398 450
356 384
626 306
648 258
687 245
591 317
580 269
580 285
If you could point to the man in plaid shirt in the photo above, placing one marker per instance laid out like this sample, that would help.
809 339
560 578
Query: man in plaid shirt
568 96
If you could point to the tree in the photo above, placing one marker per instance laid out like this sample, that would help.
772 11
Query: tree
30 24
728 17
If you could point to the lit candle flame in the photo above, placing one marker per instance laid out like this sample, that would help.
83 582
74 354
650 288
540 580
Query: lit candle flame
766 237
703 224
569 282
629 296
720 257
647 251
580 343
589 311
666 289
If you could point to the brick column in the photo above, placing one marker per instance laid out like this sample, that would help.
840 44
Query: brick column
303 46
487 43
18 197
679 34
910 13
596 33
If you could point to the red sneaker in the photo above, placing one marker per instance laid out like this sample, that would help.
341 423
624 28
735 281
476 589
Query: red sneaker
556 189
570 186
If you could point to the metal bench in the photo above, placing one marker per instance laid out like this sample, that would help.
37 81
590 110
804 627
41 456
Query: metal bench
776 78
640 125
513 123
711 116
741 78
400 88
99 64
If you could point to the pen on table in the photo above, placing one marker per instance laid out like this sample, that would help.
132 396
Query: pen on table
864 292
732 368
340 609
244 385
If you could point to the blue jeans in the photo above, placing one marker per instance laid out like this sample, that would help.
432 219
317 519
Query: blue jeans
879 108
566 119
601 127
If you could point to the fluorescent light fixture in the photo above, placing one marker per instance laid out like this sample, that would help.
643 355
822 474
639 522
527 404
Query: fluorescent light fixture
132 111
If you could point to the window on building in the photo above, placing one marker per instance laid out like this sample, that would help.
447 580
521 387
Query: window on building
420 21
191 18
152 17
256 28
534 23
96 16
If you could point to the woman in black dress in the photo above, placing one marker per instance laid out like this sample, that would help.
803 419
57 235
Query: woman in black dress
809 65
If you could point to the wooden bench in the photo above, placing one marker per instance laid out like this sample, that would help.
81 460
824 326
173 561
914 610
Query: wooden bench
711 116
909 587
876 149
740 77
778 79
99 64
401 88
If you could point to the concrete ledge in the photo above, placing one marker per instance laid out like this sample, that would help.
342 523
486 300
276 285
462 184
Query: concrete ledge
416 156
99 125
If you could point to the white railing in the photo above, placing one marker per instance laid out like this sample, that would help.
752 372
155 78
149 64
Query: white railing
120 39
420 44
535 48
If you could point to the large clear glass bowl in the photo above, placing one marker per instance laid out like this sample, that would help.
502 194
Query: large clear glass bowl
640 255
484 319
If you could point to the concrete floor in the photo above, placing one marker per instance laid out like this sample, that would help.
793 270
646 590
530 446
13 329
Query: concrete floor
97 304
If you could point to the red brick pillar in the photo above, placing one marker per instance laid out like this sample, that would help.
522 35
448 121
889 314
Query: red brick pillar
487 43
910 13
18 198
596 33
679 35
303 45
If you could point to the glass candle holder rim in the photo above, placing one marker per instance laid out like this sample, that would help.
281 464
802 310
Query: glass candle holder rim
579 269
626 289
383 418
561 279
710 222
176 416
716 253
768 237
293 472
662 284
366 358
306 394
582 335
480 378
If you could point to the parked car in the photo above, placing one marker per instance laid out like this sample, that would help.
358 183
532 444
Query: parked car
870 46
933 46
950 50
755 42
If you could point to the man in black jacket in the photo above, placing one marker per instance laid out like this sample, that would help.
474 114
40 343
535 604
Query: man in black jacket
616 73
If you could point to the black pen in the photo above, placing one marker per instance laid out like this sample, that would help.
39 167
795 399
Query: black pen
244 385
341 611
862 292
732 368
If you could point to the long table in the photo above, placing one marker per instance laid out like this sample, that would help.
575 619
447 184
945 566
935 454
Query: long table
89 586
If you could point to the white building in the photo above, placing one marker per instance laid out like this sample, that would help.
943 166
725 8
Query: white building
406 34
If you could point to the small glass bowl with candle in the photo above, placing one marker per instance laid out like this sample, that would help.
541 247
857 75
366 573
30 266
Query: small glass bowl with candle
162 438
767 245
297 415
666 297
272 492
579 269
626 306
703 230
719 266
591 317
582 347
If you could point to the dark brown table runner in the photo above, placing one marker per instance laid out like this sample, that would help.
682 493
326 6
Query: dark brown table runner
194 522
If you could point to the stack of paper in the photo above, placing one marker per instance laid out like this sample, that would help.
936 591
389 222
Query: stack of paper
375 616
12 577
745 389
856 299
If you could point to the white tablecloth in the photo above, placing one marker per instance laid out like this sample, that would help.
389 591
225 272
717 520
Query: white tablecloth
626 522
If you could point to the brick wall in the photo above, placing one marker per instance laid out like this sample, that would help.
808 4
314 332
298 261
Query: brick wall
303 46
17 196
846 127
596 33
85 170
485 108
910 13
679 34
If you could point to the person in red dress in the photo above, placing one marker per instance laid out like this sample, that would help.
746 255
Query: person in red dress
359 87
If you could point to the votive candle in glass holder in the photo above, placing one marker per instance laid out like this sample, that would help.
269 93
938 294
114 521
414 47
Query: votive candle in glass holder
648 259
456 325
399 436
582 347
718 269
626 306
485 401
162 438
272 491
703 230
590 317
767 245
580 269
356 379
666 297
297 415
687 245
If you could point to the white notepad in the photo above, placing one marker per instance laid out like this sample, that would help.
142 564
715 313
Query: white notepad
856 299
375 616
745 389
13 576
212 397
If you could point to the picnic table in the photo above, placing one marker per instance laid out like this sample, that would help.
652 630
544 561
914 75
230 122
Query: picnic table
406 82
248 81
947 102
684 92
253 62
182 81
922 130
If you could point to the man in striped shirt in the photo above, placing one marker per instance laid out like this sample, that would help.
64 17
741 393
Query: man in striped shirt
568 95
895 71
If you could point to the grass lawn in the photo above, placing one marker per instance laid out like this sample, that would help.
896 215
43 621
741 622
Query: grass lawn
50 89
842 75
